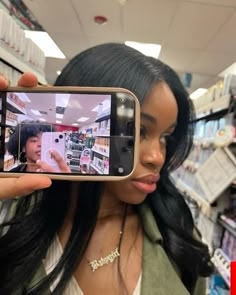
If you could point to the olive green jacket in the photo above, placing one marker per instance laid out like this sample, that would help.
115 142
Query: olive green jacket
160 276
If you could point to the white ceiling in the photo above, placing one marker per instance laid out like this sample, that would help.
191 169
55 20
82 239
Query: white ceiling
197 36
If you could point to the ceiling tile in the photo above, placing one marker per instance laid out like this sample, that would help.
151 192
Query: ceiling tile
225 40
180 60
195 24
63 20
229 3
213 63
87 10
148 21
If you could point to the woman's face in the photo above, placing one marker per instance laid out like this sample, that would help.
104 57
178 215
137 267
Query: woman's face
158 121
32 148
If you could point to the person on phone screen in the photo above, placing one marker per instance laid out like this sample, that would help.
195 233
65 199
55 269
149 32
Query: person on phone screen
25 145
134 236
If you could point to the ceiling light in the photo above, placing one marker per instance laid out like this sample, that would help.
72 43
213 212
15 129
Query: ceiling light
42 119
35 112
58 121
82 119
75 124
59 116
106 104
62 99
230 70
199 92
45 42
146 48
58 73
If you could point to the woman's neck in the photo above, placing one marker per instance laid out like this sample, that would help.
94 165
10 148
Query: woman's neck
109 206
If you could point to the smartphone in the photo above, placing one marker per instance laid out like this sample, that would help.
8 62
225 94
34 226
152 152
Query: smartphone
52 141
79 133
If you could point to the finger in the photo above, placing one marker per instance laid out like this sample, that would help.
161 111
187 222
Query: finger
60 161
44 167
24 185
4 82
28 80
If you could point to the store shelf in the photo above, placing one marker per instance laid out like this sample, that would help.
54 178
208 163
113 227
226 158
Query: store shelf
215 106
228 223
100 152
202 203
102 134
14 108
11 123
222 264
103 116
8 55
96 168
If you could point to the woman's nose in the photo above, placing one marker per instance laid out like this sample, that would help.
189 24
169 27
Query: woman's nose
153 155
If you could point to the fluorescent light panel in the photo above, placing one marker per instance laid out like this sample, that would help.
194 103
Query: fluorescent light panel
106 104
59 116
146 48
23 97
199 92
75 124
62 99
45 42
83 119
36 113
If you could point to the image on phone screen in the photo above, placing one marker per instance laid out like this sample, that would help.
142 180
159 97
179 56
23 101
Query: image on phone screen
84 132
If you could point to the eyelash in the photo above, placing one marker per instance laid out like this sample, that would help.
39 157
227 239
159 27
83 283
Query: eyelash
164 138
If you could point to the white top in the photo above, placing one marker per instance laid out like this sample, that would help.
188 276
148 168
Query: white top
53 255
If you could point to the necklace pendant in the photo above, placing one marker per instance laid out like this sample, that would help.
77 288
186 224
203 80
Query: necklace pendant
95 264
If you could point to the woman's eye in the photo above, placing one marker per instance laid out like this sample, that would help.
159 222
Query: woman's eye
143 132
165 138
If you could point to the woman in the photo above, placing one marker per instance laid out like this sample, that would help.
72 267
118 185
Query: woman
135 236
25 145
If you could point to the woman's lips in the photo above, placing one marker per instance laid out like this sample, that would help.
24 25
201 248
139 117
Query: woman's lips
146 184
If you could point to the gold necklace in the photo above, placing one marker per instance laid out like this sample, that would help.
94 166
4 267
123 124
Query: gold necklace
97 263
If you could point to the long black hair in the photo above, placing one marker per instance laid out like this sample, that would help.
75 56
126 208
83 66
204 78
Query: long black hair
37 218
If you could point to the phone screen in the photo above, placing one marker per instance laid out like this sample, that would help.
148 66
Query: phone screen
70 132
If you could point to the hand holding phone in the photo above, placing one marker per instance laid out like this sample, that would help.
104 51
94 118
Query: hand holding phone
59 166
25 184
21 186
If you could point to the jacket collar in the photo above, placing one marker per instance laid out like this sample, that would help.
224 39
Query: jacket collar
149 224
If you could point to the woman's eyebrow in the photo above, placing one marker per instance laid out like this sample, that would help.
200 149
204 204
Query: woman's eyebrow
153 120
149 118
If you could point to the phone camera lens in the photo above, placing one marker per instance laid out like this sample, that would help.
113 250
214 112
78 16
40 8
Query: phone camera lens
120 170
56 140
60 136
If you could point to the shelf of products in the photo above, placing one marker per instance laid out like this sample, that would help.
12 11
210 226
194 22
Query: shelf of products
222 264
228 223
15 61
207 177
202 203
101 147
